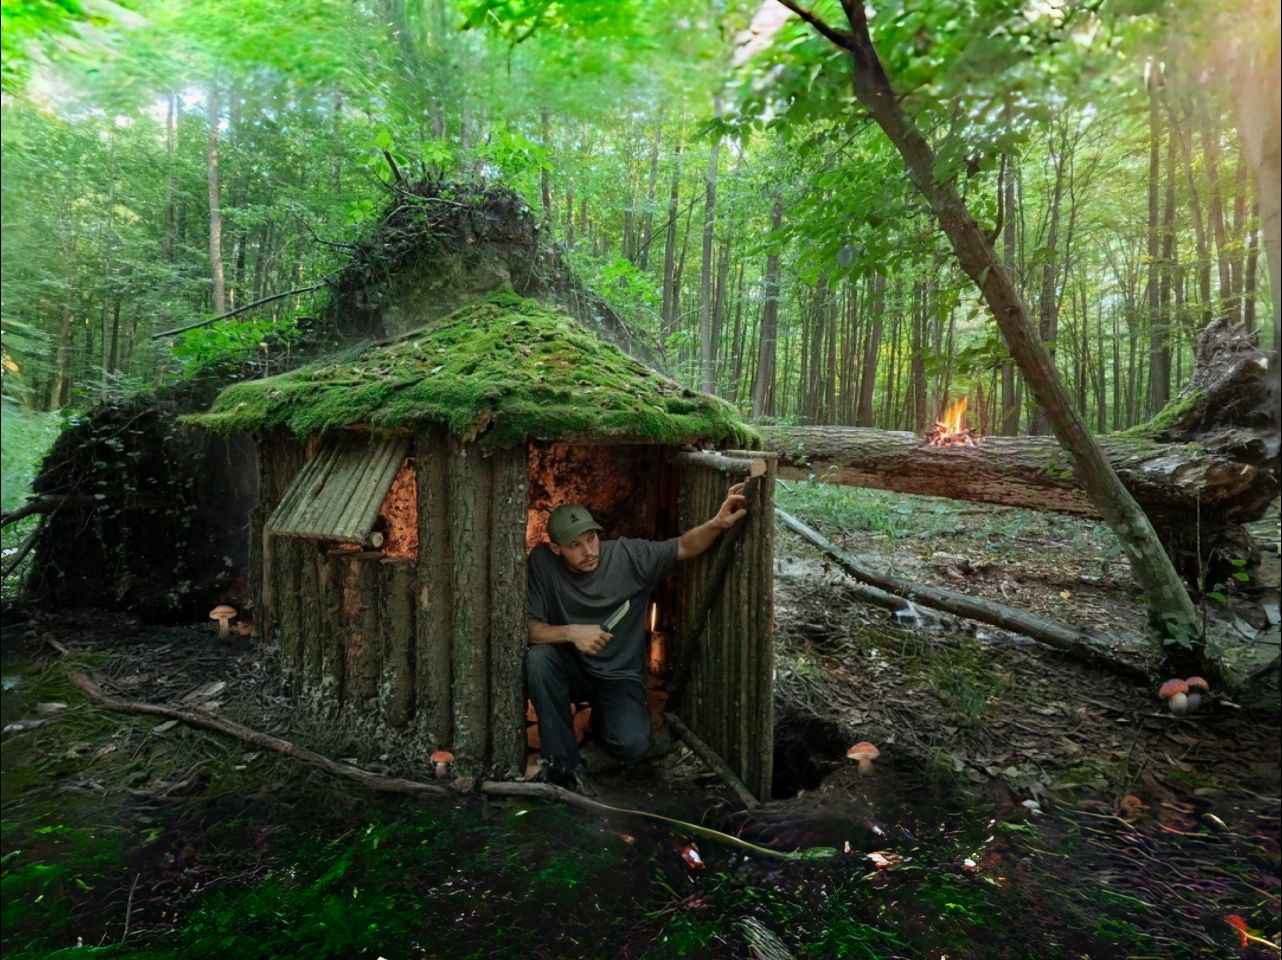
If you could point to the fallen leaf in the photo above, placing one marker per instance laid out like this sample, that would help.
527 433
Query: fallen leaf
1065 595
1239 925
690 854
206 692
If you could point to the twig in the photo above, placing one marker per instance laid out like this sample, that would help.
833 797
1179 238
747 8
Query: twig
239 310
129 908
25 549
286 748
507 788
709 756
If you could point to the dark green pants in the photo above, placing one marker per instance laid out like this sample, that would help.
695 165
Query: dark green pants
620 716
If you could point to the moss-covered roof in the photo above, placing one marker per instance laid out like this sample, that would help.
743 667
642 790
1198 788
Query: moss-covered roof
501 371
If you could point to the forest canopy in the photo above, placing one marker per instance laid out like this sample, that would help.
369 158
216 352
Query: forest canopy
704 168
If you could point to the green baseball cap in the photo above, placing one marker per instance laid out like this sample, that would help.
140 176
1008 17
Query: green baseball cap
568 521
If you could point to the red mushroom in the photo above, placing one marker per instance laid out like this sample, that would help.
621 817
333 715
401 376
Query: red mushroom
1175 693
865 753
1197 689
442 759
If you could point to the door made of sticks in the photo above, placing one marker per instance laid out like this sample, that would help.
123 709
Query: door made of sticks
727 697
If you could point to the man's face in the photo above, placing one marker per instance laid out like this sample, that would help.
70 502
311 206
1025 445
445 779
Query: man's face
582 554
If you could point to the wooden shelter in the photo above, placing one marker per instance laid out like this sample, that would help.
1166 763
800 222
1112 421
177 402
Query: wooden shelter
402 485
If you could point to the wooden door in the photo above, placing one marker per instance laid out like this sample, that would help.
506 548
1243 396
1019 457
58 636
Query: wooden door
727 695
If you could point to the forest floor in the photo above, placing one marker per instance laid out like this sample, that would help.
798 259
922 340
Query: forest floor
1143 834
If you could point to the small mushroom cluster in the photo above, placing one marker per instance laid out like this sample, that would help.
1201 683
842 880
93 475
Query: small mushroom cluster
1184 696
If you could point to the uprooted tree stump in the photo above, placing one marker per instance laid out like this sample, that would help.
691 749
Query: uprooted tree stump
147 515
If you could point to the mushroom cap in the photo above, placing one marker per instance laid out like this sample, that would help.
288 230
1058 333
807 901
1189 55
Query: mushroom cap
1197 683
222 612
863 751
442 756
1172 687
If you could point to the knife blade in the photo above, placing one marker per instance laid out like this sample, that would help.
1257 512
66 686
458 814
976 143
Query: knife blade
613 619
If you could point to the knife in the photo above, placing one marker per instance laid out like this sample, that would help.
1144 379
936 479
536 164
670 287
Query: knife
613 619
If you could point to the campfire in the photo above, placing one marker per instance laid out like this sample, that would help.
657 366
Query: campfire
949 429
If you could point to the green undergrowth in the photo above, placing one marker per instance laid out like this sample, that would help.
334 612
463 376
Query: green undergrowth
938 524
502 370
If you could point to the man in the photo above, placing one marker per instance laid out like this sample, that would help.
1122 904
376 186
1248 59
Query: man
576 581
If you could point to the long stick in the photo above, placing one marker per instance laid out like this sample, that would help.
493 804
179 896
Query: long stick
286 748
709 756
398 785
1079 644
237 312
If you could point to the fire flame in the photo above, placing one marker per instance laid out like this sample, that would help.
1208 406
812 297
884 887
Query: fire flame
950 430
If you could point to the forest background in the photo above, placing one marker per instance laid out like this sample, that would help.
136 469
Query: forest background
165 162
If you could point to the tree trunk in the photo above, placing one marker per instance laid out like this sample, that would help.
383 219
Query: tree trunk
1215 213
1255 98
219 295
1010 400
707 372
667 310
1159 350
1199 226
864 416
1048 302
764 379
545 170
647 221
1172 610
167 249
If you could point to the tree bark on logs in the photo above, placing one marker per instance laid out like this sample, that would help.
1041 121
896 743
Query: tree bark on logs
470 478
1190 492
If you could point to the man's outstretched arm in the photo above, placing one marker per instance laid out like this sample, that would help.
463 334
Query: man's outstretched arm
698 539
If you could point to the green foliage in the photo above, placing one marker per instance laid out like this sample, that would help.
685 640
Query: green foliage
967 681
233 342
24 440
504 370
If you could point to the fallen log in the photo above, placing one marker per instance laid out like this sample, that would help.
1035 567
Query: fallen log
1030 472
1076 643
1197 499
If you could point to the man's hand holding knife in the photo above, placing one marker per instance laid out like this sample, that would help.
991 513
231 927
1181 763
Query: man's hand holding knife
591 639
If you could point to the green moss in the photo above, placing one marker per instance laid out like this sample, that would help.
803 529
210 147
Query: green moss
1162 421
502 371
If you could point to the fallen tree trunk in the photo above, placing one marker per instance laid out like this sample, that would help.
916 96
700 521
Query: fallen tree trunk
1197 499
1030 472
1083 646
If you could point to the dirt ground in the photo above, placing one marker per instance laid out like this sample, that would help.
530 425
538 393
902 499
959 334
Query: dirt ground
1105 797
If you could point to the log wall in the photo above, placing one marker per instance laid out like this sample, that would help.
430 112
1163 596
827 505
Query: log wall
728 700
423 653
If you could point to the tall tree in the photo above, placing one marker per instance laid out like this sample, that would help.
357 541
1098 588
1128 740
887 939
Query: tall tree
218 288
707 364
1172 610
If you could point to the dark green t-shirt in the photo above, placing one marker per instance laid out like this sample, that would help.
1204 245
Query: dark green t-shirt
628 570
